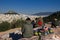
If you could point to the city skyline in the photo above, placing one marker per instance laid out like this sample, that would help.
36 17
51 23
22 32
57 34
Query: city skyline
29 6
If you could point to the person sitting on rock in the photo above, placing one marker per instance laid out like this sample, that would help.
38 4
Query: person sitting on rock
27 29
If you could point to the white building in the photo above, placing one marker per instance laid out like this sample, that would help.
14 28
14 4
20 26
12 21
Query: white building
11 16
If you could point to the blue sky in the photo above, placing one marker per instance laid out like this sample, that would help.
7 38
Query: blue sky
29 6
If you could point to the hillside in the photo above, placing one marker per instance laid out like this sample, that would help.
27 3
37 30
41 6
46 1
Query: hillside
52 16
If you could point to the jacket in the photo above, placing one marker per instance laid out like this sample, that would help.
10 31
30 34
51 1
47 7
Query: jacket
27 30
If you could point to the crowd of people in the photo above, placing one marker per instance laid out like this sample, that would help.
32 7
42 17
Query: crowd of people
37 27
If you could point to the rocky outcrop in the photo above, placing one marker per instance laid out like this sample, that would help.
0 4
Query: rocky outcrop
32 38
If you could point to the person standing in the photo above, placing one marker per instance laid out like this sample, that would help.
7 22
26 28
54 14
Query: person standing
40 22
54 23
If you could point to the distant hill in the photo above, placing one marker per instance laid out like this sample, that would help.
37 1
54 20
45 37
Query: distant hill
43 13
11 12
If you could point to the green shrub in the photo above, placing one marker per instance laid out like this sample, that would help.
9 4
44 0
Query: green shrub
18 23
15 24
4 26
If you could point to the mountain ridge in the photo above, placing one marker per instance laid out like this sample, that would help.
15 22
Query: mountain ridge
43 13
